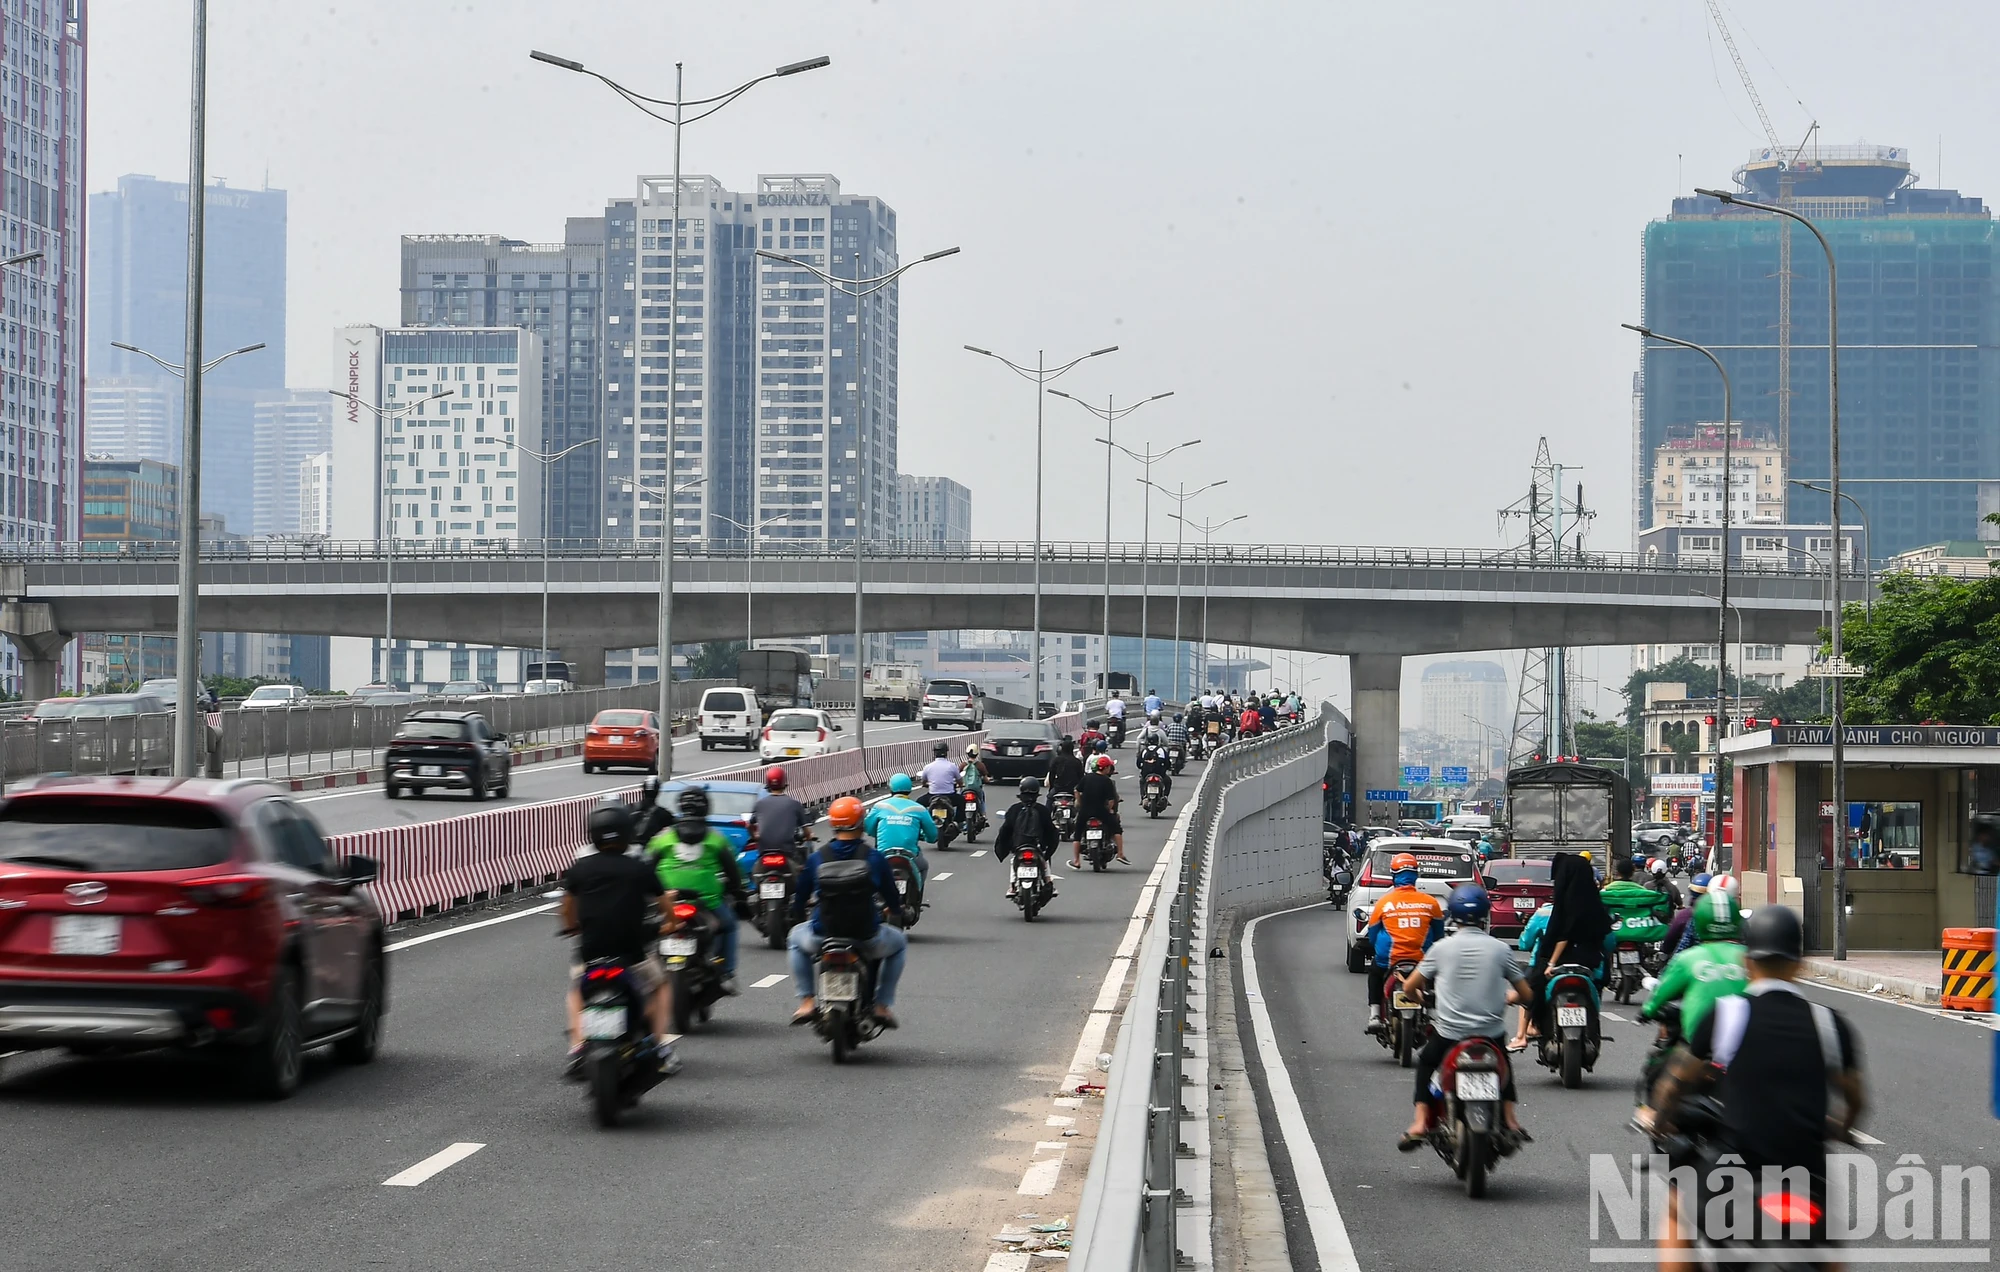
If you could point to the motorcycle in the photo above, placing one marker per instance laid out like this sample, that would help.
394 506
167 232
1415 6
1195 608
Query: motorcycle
1176 757
1062 807
693 959
944 811
1664 1041
1097 845
1033 888
773 878
909 887
1629 969
1780 1228
844 997
619 1062
1153 794
1406 1022
1212 735
1114 732
975 821
1571 1044
1339 879
1468 1127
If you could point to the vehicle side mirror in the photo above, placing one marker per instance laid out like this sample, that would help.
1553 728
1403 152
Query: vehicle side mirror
840 728
357 869
499 737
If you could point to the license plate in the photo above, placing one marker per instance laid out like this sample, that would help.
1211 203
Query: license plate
1628 958
902 887
771 891
1572 1017
678 947
842 987
604 1022
1027 873
1013 750
94 934
430 770
1404 1002
792 751
616 739
1478 1086
1093 834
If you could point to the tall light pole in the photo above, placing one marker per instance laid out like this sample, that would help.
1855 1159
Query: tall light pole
190 720
750 534
1041 373
1729 199
1867 541
1207 531
858 289
1180 495
546 461
1722 557
665 674
1110 413
1145 459
387 527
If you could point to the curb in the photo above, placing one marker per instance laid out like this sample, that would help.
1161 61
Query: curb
1249 1223
369 776
1851 977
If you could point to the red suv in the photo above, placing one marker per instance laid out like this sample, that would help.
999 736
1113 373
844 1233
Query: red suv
138 913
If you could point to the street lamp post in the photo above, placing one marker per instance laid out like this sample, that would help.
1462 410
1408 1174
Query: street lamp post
1180 496
387 527
1728 198
1867 541
1145 459
1722 557
190 720
1207 530
665 674
546 461
750 533
858 289
1041 373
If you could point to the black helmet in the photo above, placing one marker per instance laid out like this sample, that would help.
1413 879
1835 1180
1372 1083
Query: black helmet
694 803
1066 744
1031 788
610 825
649 792
1773 933
941 750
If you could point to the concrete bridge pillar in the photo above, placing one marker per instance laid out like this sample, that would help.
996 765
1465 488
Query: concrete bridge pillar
1378 726
586 664
32 628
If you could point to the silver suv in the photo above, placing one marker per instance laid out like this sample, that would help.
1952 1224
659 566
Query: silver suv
953 702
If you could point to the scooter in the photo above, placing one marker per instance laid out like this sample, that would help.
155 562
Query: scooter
694 965
1098 847
908 886
944 811
1114 732
1062 807
1339 879
1778 1228
1468 1123
844 997
1033 888
1176 757
773 878
1570 1046
619 1062
1406 1022
1628 970
1153 795
975 821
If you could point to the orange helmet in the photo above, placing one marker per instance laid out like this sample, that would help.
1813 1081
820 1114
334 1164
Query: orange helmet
845 813
1402 861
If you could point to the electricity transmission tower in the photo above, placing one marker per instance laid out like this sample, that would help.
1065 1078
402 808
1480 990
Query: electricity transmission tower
1542 714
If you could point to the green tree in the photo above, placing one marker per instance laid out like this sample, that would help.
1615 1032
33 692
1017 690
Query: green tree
1801 702
717 660
1610 743
1931 652
1700 682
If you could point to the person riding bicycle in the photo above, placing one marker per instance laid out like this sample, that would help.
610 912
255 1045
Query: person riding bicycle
694 859
609 900
1400 928
901 826
1473 980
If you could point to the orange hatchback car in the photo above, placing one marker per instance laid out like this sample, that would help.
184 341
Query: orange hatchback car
622 737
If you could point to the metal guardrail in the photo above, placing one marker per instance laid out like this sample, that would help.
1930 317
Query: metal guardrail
412 555
1126 1217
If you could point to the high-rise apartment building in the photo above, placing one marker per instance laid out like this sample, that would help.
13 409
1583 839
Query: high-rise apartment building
289 431
315 478
1465 706
1919 366
127 418
935 511
1687 477
138 296
555 290
127 501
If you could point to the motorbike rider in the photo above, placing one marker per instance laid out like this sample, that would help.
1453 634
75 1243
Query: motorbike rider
1657 879
777 819
694 859
1153 760
973 775
1678 937
1027 824
606 898
1066 770
884 944
1473 980
1638 913
1267 711
1097 798
1251 724
1781 1057
1177 732
1400 928
940 775
1115 710
1153 702
901 826
1706 973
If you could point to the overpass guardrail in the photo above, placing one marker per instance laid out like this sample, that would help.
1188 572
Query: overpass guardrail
1249 834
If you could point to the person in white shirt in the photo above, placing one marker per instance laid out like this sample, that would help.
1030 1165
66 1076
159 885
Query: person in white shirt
1116 707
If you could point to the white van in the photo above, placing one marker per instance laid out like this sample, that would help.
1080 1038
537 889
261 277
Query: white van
731 716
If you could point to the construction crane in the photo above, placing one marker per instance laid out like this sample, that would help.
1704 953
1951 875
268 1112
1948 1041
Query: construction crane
1743 73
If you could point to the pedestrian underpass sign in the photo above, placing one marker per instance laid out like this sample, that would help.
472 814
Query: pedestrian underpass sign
1454 775
1387 797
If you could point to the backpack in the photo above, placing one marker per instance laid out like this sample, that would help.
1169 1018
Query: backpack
847 898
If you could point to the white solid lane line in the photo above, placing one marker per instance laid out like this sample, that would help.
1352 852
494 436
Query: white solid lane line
1329 1232
428 937
768 981
431 1165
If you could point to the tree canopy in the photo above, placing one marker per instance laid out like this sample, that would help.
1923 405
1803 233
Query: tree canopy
1931 652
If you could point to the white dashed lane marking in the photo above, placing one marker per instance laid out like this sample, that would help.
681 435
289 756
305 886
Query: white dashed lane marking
431 1165
768 981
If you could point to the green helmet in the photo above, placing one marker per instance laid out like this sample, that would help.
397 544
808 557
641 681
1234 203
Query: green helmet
1716 916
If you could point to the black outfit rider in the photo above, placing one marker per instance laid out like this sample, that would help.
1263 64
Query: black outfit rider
1027 824
1066 771
1153 760
1097 797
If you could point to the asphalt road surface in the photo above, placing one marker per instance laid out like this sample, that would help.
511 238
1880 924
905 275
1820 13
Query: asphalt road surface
1928 1082
762 1154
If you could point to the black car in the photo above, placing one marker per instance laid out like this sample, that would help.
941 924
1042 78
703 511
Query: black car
455 750
1015 749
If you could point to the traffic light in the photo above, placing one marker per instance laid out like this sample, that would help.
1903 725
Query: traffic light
1709 721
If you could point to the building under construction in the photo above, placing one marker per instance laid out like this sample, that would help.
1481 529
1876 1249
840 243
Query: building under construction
1919 315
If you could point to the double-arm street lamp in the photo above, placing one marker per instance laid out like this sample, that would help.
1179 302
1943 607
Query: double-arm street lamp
190 721
1730 199
387 526
1145 459
547 461
666 634
857 289
1207 531
1041 373
1180 495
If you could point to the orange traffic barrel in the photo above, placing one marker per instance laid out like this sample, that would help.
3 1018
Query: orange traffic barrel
1968 969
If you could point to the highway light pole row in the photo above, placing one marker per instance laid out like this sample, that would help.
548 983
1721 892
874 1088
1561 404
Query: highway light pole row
1180 495
1145 459
665 638
1207 531
547 462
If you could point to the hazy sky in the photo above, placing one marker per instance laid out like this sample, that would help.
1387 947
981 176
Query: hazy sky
1375 249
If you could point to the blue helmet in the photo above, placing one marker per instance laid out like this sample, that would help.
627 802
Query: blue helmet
1699 883
1469 904
900 784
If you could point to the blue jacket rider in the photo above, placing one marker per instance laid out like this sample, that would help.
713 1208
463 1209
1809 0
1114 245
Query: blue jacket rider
902 826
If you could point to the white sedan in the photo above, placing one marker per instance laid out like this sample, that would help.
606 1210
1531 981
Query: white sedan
796 732
267 697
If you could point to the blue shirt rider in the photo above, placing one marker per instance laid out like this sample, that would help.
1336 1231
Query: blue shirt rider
901 826
941 775
1153 702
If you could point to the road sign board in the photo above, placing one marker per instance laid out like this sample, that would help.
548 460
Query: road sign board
1454 775
1416 774
1835 667
1387 797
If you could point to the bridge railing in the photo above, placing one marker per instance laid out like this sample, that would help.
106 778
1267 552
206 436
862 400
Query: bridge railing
409 553
1240 839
